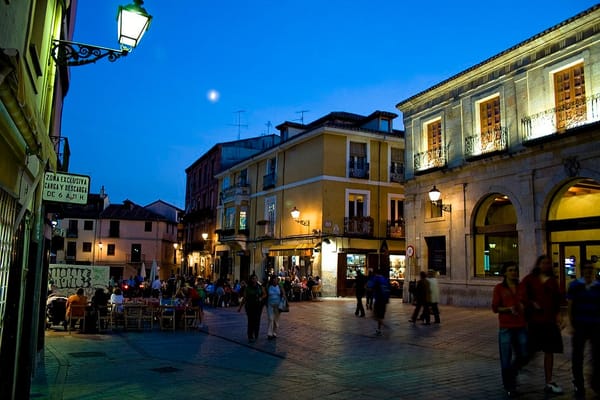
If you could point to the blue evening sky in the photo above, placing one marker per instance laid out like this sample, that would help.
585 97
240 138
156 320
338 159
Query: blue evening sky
135 125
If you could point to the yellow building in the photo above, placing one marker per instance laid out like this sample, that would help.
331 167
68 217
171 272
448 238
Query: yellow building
511 148
32 89
343 174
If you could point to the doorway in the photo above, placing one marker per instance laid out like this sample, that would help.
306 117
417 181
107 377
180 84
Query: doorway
567 260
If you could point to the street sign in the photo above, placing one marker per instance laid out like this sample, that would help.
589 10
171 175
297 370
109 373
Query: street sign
66 188
410 250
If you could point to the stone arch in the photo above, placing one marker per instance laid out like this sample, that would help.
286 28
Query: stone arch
495 237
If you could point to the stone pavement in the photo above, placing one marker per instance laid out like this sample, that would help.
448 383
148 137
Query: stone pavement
322 352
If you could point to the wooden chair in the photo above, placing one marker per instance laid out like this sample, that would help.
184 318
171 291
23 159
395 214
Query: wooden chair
147 316
76 315
104 319
316 292
132 314
167 317
191 318
117 316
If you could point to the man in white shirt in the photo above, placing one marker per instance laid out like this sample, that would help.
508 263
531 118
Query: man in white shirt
156 286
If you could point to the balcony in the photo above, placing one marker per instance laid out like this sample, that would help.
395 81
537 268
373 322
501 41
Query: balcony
556 121
132 258
396 229
63 152
358 226
269 181
430 159
238 193
358 168
397 172
486 143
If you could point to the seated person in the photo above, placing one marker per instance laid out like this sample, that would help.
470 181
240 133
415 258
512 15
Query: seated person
78 299
117 299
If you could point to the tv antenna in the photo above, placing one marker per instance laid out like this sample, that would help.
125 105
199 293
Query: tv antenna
269 125
301 119
239 122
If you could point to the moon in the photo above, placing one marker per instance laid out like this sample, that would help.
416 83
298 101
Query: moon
213 96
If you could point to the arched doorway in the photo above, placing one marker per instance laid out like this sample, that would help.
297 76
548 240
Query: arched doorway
496 238
573 227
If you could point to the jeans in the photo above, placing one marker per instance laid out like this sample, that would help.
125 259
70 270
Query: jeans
512 340
583 332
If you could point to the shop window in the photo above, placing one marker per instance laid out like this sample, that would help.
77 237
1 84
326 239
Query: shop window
496 238
355 263
436 254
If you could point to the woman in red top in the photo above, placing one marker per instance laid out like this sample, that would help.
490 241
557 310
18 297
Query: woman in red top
512 327
541 296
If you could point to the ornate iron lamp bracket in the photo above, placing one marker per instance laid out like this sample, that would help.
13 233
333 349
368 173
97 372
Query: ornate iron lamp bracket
72 54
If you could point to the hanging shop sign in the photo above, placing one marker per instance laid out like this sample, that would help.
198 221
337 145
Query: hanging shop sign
66 188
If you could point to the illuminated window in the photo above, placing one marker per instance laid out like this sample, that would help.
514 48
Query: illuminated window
569 95
434 136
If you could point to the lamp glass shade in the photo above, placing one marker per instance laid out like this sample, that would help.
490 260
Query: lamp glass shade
132 22
295 213
205 236
175 245
434 194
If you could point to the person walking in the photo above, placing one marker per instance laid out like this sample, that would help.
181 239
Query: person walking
252 298
512 327
369 289
421 295
434 296
381 297
584 314
360 286
540 294
274 293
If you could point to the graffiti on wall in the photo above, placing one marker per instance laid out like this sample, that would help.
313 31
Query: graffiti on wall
65 279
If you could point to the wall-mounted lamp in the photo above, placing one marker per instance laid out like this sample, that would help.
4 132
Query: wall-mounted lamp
133 21
204 236
175 246
296 217
492 245
435 195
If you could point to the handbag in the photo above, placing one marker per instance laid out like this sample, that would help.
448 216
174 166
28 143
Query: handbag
283 305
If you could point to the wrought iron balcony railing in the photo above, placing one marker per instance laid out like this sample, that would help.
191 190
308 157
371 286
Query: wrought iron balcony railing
233 193
134 258
558 119
430 159
358 168
358 226
63 152
397 172
491 141
396 229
